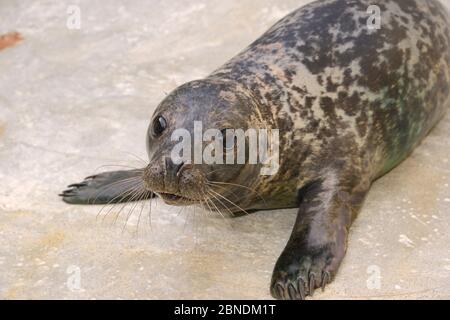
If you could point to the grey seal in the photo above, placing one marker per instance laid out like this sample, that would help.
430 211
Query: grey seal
351 102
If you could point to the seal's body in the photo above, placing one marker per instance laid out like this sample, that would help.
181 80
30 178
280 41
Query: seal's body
350 101
336 88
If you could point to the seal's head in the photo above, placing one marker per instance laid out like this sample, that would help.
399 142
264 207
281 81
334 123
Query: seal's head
188 176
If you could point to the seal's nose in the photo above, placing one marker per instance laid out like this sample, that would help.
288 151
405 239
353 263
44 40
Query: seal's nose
163 175
172 170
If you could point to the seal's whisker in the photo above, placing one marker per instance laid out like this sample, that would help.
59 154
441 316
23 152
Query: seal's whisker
223 205
202 205
128 194
228 200
211 211
138 195
206 201
142 204
239 185
119 183
122 196
150 212
224 188
138 158
216 208
209 201
143 195
212 202
118 166
179 211
133 196
130 211
186 220
195 223
202 213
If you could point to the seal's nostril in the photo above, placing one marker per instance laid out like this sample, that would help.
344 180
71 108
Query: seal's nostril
171 167
177 167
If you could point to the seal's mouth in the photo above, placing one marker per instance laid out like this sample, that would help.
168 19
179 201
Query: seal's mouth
175 198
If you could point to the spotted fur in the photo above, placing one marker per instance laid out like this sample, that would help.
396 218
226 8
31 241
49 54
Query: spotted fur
336 88
351 103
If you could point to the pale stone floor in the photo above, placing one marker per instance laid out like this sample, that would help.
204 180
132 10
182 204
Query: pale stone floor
74 100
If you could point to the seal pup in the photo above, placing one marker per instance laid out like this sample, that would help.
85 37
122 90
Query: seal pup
351 102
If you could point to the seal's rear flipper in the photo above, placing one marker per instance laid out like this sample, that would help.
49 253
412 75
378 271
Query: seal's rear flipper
108 187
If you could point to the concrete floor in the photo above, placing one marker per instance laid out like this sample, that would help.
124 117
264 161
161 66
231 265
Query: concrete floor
74 100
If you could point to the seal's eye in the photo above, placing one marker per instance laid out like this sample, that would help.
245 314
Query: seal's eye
159 125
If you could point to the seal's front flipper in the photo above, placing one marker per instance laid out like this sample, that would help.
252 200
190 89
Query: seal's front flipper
319 239
108 187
